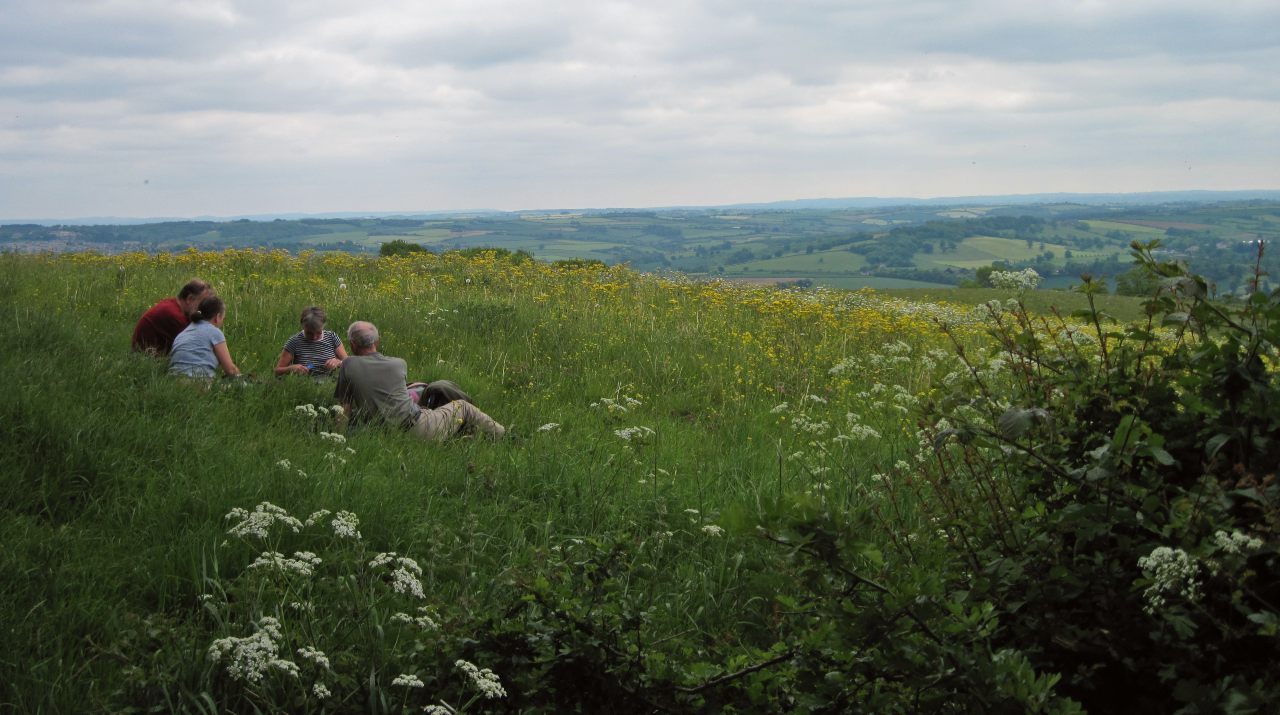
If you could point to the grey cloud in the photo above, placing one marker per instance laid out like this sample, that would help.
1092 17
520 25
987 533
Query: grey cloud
463 104
49 31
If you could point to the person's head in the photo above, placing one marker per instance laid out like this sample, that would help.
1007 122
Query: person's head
191 295
211 308
313 320
363 337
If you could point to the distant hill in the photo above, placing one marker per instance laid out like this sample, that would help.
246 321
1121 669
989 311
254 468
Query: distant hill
855 202
920 244
1134 199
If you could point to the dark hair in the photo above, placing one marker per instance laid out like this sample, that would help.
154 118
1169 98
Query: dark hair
313 318
209 309
195 286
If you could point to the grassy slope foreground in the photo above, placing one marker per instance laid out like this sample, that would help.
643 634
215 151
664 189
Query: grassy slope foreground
117 478
705 485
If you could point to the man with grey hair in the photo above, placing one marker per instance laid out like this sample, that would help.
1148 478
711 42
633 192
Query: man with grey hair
372 389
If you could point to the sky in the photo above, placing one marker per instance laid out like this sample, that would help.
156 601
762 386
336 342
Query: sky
182 108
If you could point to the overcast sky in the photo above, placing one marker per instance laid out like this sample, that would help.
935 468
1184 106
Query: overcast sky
225 107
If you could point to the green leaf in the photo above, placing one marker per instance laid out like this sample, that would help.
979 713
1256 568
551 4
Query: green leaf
1215 444
1163 457
1016 421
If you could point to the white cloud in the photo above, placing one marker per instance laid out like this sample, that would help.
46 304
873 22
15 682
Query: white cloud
397 105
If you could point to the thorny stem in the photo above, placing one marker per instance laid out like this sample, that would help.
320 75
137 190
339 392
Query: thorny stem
859 578
1102 335
727 677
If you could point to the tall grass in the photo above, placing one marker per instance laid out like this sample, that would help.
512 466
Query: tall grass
117 478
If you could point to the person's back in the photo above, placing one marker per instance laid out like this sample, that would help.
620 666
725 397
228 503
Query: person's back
374 385
373 389
201 348
192 354
161 324
158 327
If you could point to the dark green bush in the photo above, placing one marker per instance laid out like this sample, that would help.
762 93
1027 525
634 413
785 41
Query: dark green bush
400 247
1108 499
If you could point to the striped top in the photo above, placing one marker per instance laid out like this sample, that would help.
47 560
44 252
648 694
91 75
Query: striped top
313 353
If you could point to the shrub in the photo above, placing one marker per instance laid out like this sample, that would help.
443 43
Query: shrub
1107 502
399 247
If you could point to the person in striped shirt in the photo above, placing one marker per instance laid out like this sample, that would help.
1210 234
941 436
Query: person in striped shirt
314 350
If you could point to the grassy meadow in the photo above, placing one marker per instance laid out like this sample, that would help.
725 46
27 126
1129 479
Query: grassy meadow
713 497
118 477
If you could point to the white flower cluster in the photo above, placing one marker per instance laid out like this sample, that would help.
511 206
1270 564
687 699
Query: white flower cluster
1076 336
1236 542
849 364
251 657
621 406
404 573
484 680
1026 279
316 516
315 656
438 710
315 411
1171 571
287 466
638 433
857 432
893 355
801 423
333 437
320 691
303 563
896 397
712 530
779 409
259 522
423 621
346 525
549 427
408 680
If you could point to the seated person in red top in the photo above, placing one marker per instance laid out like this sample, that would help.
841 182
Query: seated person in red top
157 327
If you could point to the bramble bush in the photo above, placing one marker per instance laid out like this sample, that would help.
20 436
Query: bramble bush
1109 505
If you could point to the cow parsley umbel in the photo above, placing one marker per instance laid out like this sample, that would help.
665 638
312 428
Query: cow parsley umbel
483 679
251 658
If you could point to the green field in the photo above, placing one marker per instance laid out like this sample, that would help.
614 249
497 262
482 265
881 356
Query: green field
834 261
714 497
926 244
1136 230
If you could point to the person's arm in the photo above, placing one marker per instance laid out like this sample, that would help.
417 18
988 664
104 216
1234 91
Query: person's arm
334 363
285 365
221 352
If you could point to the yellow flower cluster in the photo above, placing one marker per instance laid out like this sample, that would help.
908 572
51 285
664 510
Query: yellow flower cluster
568 314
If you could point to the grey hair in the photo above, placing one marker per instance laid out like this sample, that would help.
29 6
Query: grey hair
362 334
314 318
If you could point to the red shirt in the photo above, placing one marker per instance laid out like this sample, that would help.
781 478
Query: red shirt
157 327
